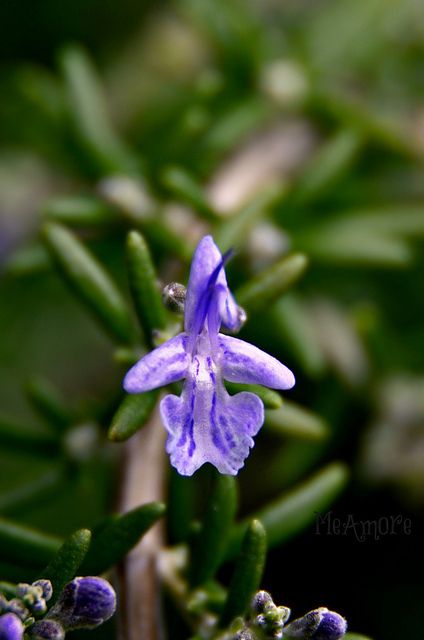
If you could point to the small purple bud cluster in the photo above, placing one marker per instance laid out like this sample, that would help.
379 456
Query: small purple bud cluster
84 603
267 621
270 618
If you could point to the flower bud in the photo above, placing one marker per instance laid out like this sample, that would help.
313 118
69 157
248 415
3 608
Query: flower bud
18 608
34 595
319 624
270 618
11 628
46 588
46 630
84 603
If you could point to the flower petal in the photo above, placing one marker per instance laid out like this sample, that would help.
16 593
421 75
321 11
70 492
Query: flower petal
168 363
206 424
206 258
242 362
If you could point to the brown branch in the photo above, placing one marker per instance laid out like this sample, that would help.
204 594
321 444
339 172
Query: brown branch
143 481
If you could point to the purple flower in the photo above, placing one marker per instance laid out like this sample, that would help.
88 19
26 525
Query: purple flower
84 603
11 628
206 424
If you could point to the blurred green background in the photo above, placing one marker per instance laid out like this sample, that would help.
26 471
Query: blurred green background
318 102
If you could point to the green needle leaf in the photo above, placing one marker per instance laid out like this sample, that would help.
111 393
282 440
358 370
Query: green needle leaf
88 110
131 415
67 561
185 186
28 260
356 247
30 493
23 438
144 287
79 211
46 400
295 510
294 421
247 573
8 589
332 161
117 535
271 283
294 326
270 398
24 545
89 281
210 544
233 231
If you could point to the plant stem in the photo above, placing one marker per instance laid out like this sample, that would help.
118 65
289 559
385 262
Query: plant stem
142 481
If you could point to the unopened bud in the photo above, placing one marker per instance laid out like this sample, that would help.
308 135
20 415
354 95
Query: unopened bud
46 630
320 624
11 628
84 603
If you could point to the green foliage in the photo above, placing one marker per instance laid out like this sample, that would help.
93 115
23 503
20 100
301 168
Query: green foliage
131 415
144 287
89 281
117 535
290 514
247 573
26 545
65 564
210 543
271 283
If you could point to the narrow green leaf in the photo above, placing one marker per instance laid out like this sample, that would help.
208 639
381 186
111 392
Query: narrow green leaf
144 287
356 636
295 510
8 589
89 281
160 234
232 231
88 110
295 421
79 211
361 247
24 545
47 401
270 398
404 221
210 597
332 161
386 131
131 415
240 120
185 186
116 536
271 283
64 566
210 544
28 260
247 573
32 492
23 438
294 327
